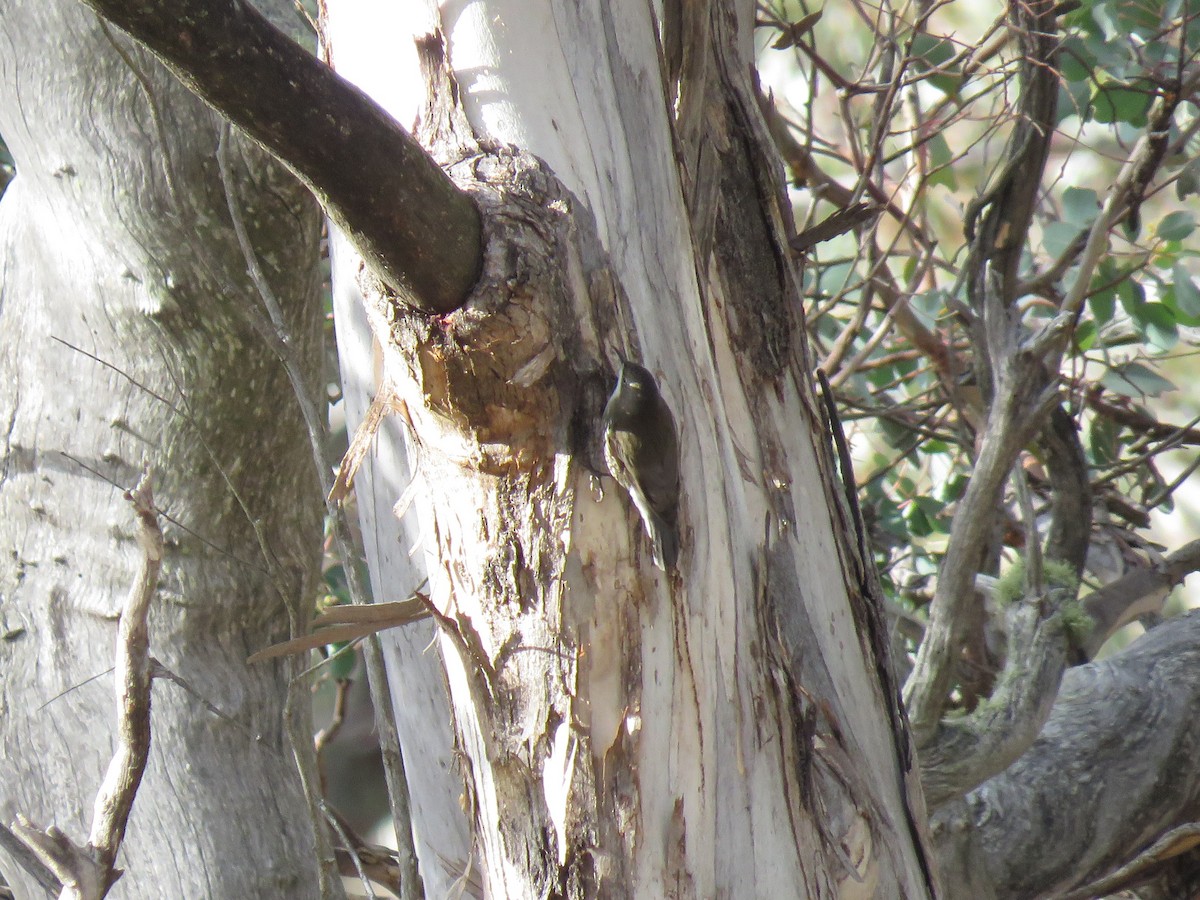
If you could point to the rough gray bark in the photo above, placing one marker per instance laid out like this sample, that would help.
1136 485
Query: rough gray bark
115 240
1111 773
716 313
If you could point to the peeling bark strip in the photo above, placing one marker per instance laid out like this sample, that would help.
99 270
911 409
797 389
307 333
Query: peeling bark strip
492 391
406 218
741 214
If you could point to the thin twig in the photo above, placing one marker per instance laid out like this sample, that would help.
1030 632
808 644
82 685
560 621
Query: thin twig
349 845
24 856
88 872
132 676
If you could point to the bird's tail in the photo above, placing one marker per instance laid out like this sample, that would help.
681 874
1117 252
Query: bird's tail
664 540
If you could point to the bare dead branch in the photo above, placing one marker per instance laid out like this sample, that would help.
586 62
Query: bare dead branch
1136 871
115 797
366 861
347 623
1141 591
833 225
337 719
965 752
1140 422
80 875
87 872
27 859
348 854
1109 777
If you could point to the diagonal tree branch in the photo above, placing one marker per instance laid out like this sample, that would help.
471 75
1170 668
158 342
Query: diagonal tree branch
418 232
1019 388
1139 592
965 752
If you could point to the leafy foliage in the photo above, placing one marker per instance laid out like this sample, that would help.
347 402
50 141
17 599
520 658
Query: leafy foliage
914 108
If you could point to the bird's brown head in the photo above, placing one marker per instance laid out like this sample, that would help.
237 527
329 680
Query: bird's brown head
636 390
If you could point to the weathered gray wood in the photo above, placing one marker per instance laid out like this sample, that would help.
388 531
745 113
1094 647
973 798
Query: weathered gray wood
1112 771
421 706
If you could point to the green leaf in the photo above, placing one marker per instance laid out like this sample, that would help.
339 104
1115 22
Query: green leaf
1187 296
1157 322
342 661
916 520
1121 18
940 157
1085 335
1188 181
889 518
1119 104
1057 237
929 53
1102 441
1176 226
1080 206
1076 61
896 435
1074 99
1136 381
1103 304
1131 296
881 376
950 489
1104 301
928 306
836 277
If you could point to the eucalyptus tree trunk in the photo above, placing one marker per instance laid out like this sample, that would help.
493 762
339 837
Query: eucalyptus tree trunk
725 729
729 727
128 341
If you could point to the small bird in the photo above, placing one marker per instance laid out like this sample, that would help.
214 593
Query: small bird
642 453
